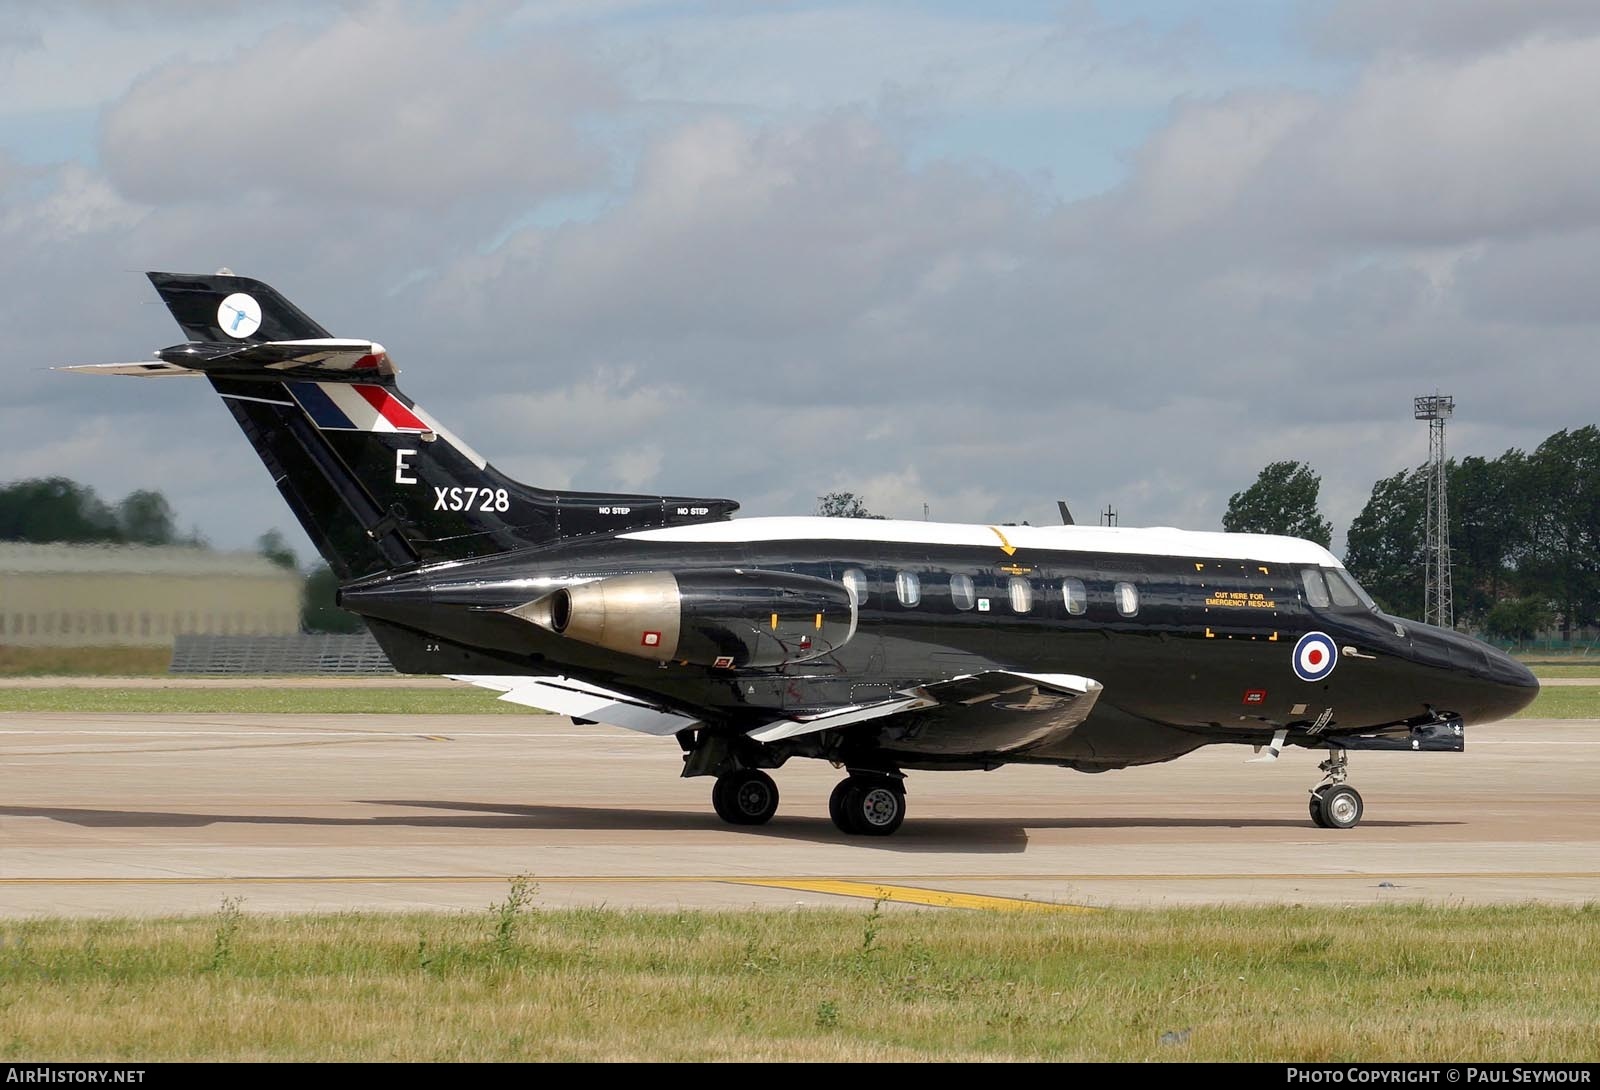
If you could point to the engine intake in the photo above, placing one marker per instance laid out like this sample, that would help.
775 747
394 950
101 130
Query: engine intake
724 618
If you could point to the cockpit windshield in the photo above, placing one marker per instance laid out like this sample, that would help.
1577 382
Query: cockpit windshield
1332 588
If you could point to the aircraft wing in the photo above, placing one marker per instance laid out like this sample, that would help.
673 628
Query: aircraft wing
580 700
996 710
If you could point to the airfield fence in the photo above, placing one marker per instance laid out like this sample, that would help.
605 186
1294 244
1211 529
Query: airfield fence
306 653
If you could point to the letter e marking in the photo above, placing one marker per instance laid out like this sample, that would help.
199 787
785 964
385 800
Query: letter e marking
402 467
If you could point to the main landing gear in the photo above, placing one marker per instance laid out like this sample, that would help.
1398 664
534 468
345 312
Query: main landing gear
1334 803
864 804
745 796
868 804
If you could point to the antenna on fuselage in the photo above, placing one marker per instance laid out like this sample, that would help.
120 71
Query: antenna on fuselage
1108 517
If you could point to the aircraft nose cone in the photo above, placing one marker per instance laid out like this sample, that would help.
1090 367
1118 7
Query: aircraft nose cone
1510 686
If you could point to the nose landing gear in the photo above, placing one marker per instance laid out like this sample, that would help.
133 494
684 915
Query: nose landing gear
1334 803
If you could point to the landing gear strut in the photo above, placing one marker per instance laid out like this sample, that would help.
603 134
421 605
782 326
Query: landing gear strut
868 804
1334 803
745 796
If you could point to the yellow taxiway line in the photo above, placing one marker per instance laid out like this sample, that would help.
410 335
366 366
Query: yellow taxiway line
911 895
866 880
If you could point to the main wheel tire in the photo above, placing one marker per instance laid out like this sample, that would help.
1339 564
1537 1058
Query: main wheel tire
875 807
839 805
746 797
1341 806
1317 818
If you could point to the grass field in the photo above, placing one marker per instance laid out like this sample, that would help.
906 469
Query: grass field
1394 983
1568 702
84 661
1574 702
1586 669
333 701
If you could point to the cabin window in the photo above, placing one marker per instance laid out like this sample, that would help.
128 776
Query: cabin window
1339 590
1316 589
1355 588
1127 598
1075 595
1021 592
961 592
855 581
907 588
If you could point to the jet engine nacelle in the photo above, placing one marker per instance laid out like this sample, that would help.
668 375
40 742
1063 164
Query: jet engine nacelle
723 618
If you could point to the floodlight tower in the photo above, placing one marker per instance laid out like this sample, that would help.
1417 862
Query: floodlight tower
1438 603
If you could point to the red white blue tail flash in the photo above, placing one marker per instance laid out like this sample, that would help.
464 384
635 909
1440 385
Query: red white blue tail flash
340 406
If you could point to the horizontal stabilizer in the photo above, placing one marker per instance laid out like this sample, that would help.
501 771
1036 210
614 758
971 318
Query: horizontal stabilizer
328 359
580 700
143 369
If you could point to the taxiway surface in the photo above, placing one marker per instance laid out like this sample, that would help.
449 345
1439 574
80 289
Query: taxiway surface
156 814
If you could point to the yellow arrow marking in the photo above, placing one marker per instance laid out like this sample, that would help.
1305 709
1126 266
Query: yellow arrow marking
912 895
1005 546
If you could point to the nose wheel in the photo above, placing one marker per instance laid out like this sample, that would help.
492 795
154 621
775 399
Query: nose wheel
1334 803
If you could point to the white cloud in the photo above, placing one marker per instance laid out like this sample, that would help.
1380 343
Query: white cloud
1446 29
779 301
378 107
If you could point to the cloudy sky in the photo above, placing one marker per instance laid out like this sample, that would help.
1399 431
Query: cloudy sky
980 256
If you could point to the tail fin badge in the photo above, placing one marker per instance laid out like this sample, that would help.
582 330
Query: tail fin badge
239 315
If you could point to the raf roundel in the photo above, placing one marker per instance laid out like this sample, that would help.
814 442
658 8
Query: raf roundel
1315 656
239 315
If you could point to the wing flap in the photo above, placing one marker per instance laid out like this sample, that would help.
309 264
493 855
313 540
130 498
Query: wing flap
580 700
1059 702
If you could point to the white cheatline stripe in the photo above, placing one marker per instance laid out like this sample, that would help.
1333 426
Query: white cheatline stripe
1145 541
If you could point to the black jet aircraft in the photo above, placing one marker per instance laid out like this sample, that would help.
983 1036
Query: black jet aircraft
880 646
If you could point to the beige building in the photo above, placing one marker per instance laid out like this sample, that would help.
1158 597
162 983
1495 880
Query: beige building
138 595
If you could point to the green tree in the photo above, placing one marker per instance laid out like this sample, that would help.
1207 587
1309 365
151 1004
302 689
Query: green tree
1490 511
55 509
146 518
843 505
273 546
1518 619
1562 561
317 610
1384 549
1282 501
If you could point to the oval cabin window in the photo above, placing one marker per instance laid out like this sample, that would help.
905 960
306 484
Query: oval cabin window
1021 592
1075 596
961 593
1127 596
855 581
908 588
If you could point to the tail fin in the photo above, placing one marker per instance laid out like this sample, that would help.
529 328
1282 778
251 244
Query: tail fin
376 482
